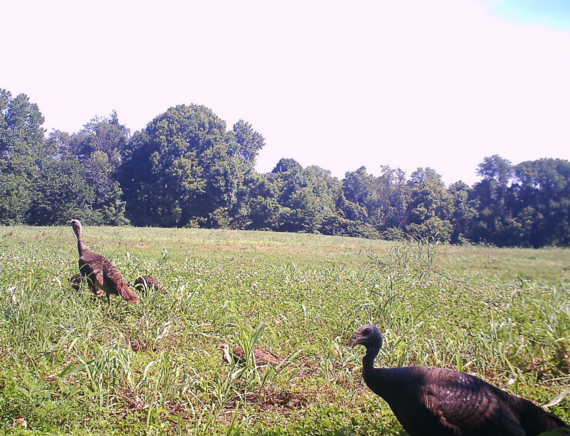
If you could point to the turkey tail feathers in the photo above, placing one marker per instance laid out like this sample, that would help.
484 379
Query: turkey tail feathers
127 293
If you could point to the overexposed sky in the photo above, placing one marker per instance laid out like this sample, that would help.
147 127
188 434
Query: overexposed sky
338 84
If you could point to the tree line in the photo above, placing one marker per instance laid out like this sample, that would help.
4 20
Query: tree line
187 169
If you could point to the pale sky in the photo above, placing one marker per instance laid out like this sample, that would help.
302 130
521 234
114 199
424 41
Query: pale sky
338 84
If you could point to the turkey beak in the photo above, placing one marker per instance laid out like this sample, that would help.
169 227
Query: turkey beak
355 341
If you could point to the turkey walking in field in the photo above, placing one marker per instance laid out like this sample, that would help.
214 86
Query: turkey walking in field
143 283
443 402
99 272
262 357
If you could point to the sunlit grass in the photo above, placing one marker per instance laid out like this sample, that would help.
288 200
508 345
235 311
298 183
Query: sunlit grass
71 364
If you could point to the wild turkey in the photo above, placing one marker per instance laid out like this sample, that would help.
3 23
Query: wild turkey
262 357
143 283
75 281
99 272
442 402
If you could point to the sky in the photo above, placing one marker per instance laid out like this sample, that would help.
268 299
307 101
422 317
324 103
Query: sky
338 84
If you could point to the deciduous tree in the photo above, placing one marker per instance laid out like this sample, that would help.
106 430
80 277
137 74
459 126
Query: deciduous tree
185 169
22 153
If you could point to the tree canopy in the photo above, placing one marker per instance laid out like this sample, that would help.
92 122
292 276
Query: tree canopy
187 169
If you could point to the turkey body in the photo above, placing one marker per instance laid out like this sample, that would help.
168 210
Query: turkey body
100 272
443 402
103 275
143 283
262 357
437 401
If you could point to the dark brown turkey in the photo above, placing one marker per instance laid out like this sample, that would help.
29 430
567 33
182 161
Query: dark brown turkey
443 402
262 357
144 283
99 272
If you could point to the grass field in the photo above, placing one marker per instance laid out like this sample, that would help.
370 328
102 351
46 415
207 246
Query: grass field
70 364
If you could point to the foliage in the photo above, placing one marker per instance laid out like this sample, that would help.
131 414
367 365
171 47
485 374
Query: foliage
246 143
61 192
430 208
186 169
101 146
46 181
182 170
463 211
542 190
21 154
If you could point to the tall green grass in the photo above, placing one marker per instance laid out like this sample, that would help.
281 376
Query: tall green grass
71 364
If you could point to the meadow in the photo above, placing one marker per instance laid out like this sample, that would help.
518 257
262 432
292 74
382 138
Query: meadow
71 364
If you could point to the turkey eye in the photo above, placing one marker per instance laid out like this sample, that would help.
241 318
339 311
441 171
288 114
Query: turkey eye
365 332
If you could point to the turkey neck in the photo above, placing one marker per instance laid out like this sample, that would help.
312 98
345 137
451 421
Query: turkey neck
81 247
368 370
376 378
